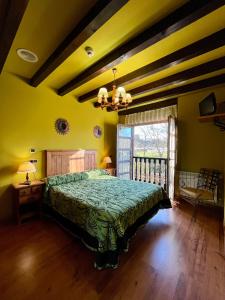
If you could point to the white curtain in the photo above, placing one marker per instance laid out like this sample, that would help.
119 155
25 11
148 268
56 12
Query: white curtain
151 116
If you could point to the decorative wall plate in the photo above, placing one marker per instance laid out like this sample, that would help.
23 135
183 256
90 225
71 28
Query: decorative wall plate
97 131
62 126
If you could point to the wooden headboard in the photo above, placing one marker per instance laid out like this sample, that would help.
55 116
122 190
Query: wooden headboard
68 161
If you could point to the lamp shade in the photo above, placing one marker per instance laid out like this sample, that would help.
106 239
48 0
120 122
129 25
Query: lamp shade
129 99
107 160
103 92
26 167
121 91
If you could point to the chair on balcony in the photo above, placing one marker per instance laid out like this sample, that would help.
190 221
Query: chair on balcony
205 192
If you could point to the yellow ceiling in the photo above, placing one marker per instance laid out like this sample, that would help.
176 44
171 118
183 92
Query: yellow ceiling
46 23
180 39
209 56
130 19
183 83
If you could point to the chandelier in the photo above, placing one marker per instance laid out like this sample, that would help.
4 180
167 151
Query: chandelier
120 99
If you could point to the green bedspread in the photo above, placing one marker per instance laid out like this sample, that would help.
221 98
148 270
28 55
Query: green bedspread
103 205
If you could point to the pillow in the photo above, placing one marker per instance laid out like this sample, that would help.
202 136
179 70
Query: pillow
61 179
66 178
96 173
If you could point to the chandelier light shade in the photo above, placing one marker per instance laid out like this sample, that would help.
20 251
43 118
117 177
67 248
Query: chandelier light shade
120 99
103 95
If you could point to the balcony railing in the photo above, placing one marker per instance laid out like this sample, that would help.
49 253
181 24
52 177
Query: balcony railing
150 169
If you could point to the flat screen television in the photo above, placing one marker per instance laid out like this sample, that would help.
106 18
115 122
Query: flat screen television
208 105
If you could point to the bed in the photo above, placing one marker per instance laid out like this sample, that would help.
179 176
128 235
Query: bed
102 210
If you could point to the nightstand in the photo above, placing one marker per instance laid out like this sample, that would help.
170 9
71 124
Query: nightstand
111 171
27 200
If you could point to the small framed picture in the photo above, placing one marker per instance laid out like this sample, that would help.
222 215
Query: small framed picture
97 131
62 126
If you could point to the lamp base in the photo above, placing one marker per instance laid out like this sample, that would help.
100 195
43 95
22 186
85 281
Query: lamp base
27 182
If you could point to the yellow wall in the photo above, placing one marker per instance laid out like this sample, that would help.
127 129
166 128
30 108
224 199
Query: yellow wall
27 117
200 144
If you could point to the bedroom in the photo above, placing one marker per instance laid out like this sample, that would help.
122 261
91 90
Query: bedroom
167 56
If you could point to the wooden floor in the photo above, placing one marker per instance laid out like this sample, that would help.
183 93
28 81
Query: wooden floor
172 257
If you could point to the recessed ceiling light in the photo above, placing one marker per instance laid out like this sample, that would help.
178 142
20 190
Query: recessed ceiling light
27 55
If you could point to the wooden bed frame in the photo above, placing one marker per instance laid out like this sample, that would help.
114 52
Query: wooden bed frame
60 162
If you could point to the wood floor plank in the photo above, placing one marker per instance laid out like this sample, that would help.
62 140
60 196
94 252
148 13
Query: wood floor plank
174 256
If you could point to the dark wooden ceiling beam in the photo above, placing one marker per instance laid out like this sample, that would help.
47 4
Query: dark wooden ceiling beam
203 69
191 87
200 47
185 15
101 12
156 105
11 14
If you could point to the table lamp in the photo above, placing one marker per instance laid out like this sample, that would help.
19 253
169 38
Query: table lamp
108 161
26 167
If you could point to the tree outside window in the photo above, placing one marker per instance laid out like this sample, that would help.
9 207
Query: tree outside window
151 140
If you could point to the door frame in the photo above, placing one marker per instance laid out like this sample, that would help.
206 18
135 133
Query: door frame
132 147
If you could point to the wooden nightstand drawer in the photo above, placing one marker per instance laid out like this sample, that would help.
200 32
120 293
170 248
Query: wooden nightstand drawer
27 200
37 189
25 192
